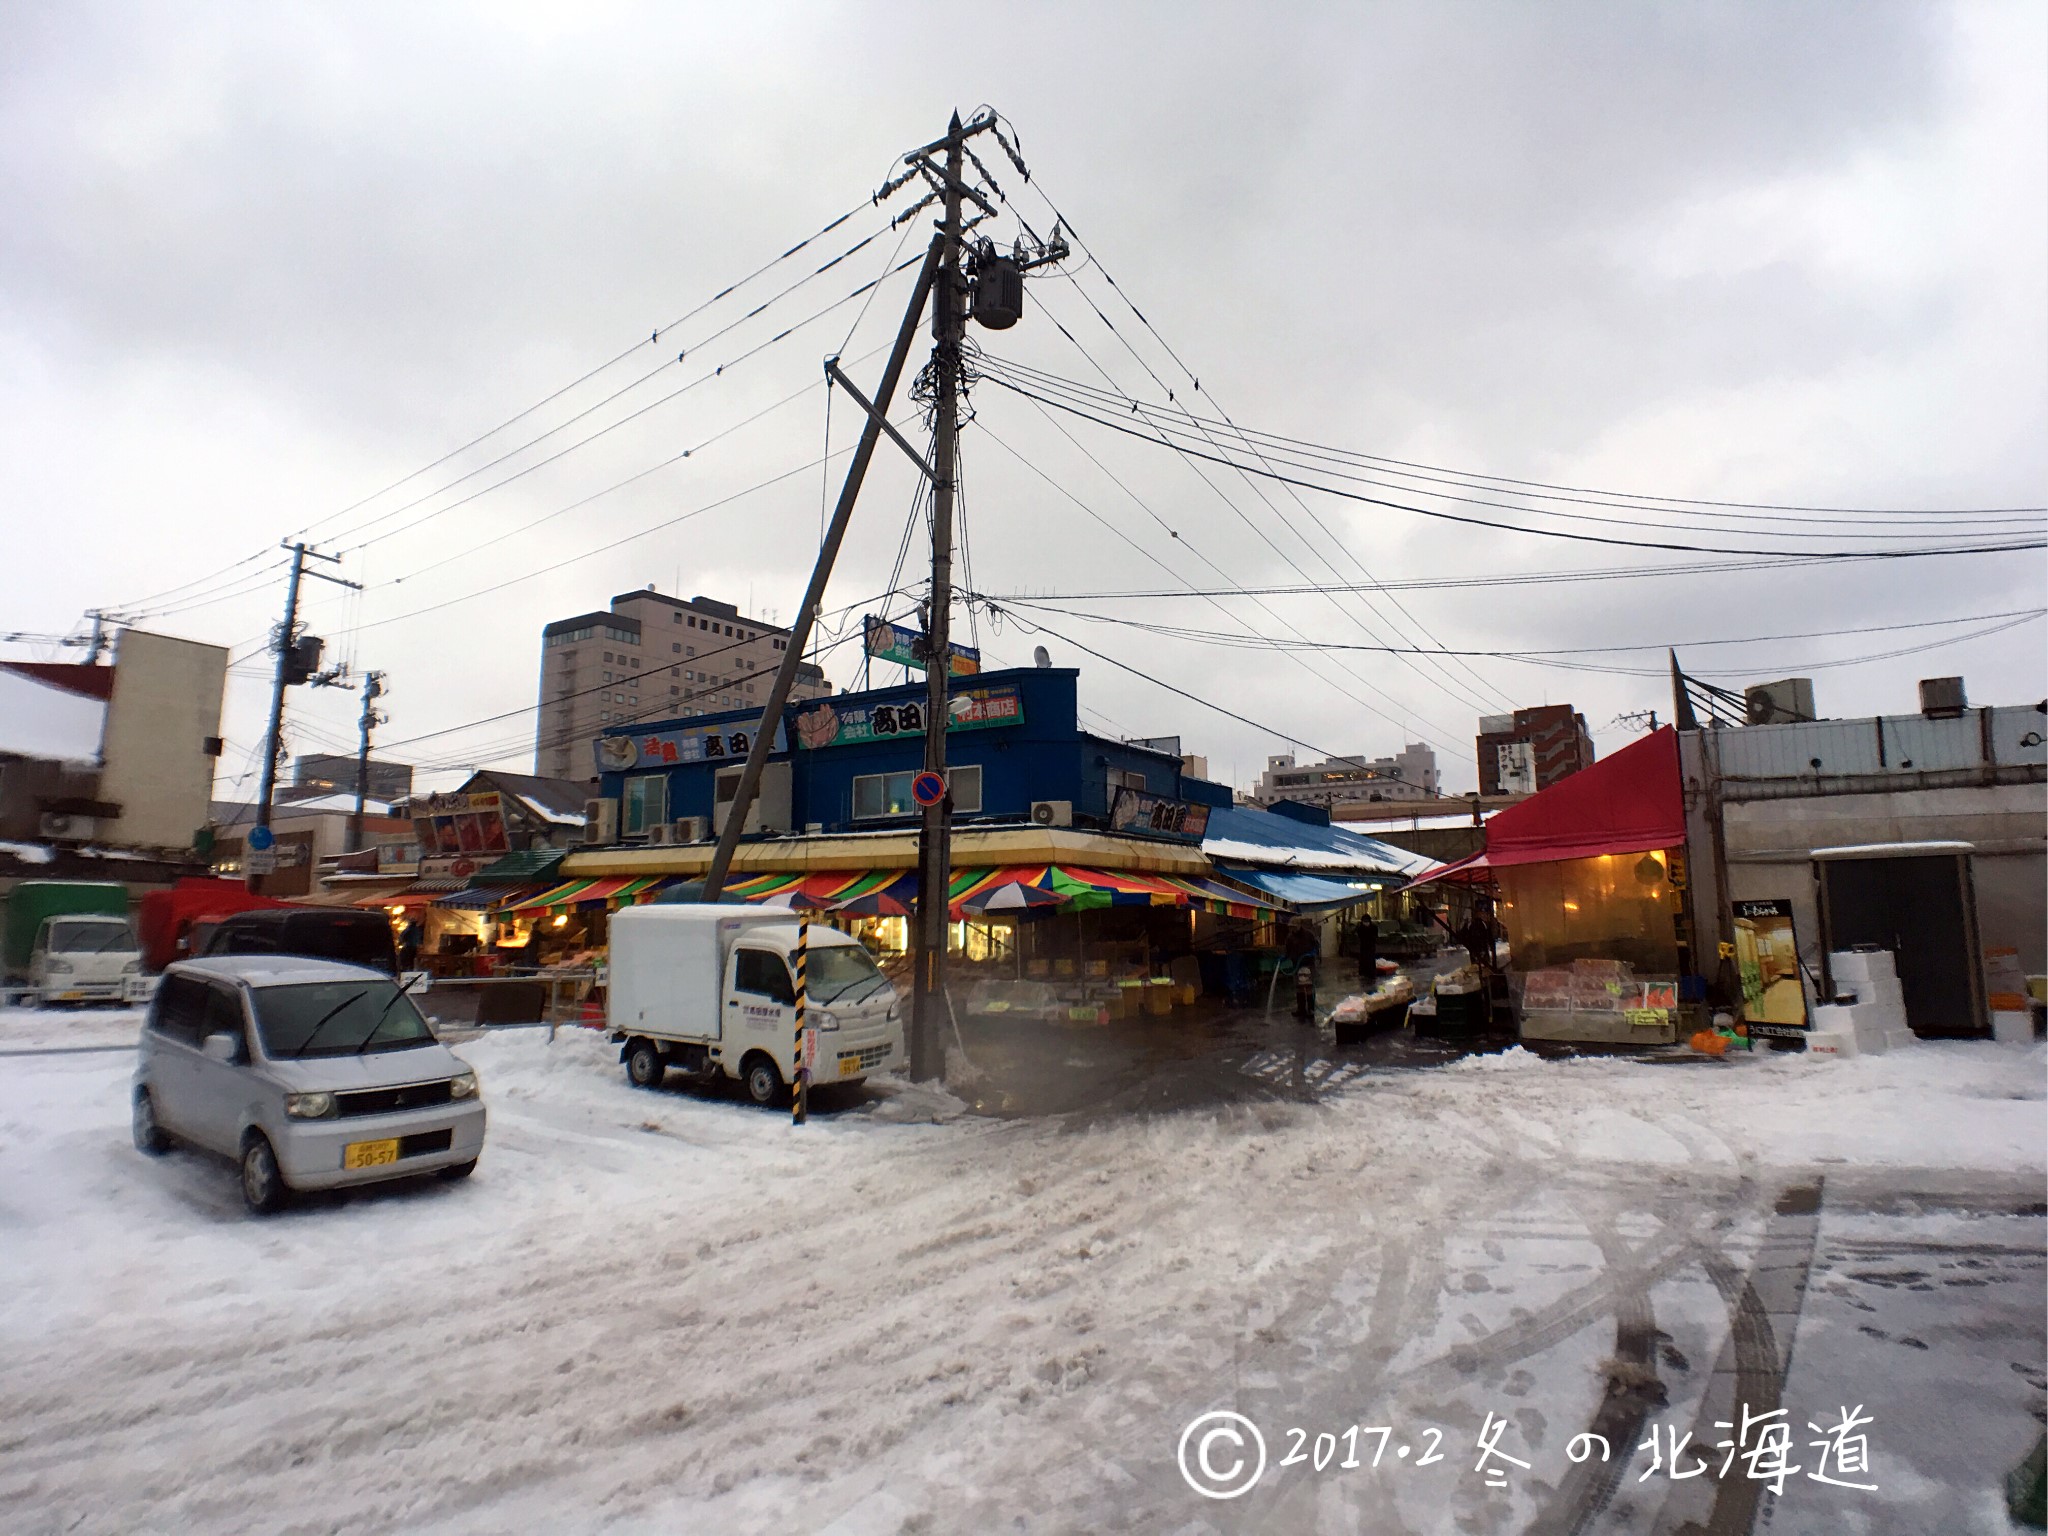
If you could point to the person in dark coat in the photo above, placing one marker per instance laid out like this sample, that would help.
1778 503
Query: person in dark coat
1303 949
1365 949
1481 933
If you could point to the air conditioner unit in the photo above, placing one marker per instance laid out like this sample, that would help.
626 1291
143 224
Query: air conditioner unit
690 829
1053 813
661 834
64 827
601 821
1942 698
1787 702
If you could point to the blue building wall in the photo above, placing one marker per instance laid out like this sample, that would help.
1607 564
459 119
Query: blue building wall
1043 756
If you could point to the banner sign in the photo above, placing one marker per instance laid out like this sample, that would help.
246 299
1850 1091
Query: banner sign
1767 960
911 647
457 823
830 724
1133 810
674 745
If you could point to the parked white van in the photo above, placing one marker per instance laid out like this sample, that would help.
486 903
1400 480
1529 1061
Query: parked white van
710 990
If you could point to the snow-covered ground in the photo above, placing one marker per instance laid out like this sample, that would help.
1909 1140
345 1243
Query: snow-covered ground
669 1312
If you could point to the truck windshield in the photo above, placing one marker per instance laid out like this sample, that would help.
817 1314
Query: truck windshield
79 937
836 971
338 1018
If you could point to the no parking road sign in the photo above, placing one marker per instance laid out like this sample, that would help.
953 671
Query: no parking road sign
928 788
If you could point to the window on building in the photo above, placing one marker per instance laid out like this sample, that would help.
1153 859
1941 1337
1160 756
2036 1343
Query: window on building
882 794
607 676
689 650
677 617
676 647
965 784
673 690
636 661
644 803
691 622
635 699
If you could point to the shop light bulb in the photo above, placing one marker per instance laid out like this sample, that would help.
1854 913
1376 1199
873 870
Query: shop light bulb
561 919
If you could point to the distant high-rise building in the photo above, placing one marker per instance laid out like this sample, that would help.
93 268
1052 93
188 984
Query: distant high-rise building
651 657
1531 749
1409 775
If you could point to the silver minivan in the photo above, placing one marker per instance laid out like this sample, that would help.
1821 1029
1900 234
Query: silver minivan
310 1073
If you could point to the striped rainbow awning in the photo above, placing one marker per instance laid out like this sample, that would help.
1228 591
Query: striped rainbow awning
611 890
883 890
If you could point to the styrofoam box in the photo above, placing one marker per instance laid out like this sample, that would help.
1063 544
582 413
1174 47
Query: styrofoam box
2012 1026
1865 1019
1854 965
1832 1042
1885 991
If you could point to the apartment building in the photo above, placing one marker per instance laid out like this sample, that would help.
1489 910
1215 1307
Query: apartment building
1408 775
1531 749
650 657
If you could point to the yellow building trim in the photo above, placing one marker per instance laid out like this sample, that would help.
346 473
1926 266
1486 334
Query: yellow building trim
973 848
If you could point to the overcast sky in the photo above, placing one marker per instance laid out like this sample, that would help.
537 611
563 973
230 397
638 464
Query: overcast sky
260 262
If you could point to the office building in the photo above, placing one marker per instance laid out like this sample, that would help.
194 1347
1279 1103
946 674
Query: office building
650 657
1531 749
1409 775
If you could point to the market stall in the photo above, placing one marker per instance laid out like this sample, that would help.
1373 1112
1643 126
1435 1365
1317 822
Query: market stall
1591 881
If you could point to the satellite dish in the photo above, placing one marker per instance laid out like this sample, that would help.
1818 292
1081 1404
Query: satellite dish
1040 656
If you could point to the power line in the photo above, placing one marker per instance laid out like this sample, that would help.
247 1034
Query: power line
1481 522
1301 448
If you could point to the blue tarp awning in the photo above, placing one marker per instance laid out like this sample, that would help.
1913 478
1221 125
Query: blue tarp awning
1242 834
1308 892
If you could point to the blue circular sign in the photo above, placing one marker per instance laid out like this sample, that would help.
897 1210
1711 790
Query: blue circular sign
928 788
260 838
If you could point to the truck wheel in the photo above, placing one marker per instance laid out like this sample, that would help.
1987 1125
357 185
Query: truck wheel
644 1065
263 1186
764 1083
148 1137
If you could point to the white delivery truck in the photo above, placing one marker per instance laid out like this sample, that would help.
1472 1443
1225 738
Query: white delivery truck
711 990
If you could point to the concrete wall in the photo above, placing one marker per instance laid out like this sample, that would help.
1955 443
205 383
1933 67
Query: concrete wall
166 703
1768 844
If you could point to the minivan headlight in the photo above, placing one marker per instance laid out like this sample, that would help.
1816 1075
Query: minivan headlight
57 967
462 1086
132 966
823 1018
309 1106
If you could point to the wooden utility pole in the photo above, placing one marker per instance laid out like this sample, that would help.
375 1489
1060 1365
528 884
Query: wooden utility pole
934 855
373 690
285 647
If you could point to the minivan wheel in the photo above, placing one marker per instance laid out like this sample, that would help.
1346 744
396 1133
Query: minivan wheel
764 1083
645 1067
263 1186
148 1137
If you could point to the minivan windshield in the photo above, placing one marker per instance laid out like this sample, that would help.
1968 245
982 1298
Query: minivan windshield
841 972
337 1018
84 936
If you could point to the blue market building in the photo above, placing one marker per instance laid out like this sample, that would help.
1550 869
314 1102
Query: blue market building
844 763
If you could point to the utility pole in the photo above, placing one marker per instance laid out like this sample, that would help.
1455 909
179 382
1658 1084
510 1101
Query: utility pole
293 666
998 302
373 690
934 862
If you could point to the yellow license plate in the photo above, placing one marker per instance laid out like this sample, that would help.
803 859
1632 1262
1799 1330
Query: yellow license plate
369 1154
850 1067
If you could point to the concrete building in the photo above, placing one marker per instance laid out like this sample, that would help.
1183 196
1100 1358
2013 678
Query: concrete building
1531 749
120 756
1409 775
1761 799
650 657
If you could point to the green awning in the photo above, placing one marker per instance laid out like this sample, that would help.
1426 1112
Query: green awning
530 866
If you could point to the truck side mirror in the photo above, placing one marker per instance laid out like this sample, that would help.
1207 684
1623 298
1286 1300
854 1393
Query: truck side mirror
223 1048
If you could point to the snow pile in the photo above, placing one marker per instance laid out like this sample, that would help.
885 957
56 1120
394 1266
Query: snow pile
671 1311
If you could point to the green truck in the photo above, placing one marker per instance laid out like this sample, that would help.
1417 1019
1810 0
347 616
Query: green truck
70 941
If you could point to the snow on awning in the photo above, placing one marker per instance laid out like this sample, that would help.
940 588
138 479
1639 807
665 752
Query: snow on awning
1240 834
40 720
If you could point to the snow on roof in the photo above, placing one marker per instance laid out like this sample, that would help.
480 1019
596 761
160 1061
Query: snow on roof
1245 835
38 720
28 853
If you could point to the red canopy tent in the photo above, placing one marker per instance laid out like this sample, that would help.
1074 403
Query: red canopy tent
164 917
1631 802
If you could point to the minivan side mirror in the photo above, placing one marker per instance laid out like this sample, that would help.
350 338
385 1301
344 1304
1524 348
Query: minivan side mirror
222 1047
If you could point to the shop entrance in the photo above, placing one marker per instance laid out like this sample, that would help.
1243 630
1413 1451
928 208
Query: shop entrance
1922 907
